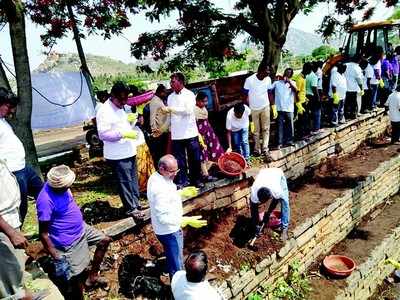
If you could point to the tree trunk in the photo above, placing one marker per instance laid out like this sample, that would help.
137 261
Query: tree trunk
22 124
85 69
3 78
271 55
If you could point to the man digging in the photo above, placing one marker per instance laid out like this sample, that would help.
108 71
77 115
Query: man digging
270 184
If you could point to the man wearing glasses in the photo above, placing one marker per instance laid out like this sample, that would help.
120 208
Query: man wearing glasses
166 212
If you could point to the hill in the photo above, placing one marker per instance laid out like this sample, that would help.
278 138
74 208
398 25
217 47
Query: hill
98 65
298 42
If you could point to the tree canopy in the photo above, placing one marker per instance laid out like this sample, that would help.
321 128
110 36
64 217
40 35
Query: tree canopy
205 31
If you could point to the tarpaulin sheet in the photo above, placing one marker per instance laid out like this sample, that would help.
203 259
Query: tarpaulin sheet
61 88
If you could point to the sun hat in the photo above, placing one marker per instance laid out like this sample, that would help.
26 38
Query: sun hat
60 177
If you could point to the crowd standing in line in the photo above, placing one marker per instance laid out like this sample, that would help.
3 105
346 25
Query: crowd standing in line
176 131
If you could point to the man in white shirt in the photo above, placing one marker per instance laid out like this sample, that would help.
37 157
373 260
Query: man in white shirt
191 283
256 87
270 184
368 76
166 211
237 129
285 91
394 114
13 153
337 92
314 99
184 132
354 78
115 130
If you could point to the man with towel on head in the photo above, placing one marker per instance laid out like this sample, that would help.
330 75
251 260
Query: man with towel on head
65 235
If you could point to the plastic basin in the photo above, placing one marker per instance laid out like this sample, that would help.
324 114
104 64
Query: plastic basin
236 159
274 219
339 265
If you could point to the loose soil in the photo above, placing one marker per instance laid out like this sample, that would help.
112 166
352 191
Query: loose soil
229 230
358 245
386 291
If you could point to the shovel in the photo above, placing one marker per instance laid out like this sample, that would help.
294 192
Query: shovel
253 240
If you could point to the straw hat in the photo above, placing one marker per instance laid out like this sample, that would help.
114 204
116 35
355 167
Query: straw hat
60 177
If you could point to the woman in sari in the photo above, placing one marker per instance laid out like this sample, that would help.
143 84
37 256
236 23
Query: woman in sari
211 147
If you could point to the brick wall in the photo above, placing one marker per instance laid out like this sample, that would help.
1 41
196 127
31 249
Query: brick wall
317 235
294 160
362 283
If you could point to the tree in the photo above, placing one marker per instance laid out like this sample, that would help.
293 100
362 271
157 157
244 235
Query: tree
205 31
58 17
106 17
323 52
12 12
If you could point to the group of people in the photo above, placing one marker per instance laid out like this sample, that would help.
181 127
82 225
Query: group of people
172 136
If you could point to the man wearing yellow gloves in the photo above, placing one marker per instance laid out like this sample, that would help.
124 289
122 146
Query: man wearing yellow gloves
284 91
115 130
166 211
302 115
337 92
257 88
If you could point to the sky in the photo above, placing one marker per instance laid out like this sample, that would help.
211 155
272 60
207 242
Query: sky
118 47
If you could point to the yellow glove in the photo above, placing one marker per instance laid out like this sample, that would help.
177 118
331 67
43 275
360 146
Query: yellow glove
195 222
335 98
131 134
393 262
132 117
202 143
140 108
252 129
381 83
189 192
274 111
300 108
361 93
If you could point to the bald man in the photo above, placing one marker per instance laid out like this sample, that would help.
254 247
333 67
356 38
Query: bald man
166 211
191 284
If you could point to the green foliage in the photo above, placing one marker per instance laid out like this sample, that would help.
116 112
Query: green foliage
244 267
105 82
295 286
395 15
323 52
255 296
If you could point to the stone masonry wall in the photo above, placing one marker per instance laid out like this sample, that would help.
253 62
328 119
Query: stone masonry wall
317 235
362 283
294 160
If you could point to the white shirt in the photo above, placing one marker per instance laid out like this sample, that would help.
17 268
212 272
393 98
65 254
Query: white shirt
9 197
377 68
319 75
183 120
184 290
235 124
97 107
394 106
11 149
165 204
284 95
353 76
339 82
258 91
272 178
369 73
109 117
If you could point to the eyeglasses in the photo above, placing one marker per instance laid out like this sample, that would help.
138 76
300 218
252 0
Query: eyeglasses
173 171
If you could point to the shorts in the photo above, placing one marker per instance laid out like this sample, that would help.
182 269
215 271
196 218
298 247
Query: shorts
78 254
